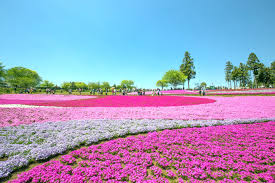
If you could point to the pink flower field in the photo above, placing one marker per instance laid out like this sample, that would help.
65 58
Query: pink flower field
247 107
233 153
37 127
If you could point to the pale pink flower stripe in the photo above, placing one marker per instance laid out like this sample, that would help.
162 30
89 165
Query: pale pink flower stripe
39 97
247 107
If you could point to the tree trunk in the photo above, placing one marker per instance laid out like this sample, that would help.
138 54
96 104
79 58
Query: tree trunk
188 83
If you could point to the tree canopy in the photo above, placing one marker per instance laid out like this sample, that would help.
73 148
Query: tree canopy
22 77
187 67
105 85
253 64
174 78
228 72
66 85
47 84
94 85
127 84
162 83
203 85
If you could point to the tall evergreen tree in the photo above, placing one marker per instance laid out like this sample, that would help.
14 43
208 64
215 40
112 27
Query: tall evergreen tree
187 67
235 76
253 64
228 72
272 71
2 74
243 75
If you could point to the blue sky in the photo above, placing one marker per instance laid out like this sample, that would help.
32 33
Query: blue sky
107 40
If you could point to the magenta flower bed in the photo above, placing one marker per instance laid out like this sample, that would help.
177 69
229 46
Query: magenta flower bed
209 154
130 101
246 107
42 97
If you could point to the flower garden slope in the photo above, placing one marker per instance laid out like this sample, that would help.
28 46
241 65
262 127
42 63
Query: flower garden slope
250 107
209 154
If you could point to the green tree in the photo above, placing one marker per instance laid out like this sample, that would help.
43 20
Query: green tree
46 84
253 64
187 67
272 71
22 77
94 85
228 72
2 74
127 84
203 85
235 76
81 85
105 85
243 75
2 71
265 76
66 85
174 78
161 83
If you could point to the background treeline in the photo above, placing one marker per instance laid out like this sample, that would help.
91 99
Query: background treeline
19 79
252 74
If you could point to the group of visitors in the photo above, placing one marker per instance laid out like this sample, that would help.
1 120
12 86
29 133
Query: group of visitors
202 92
156 92
50 91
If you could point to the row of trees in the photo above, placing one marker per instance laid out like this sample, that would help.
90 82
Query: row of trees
96 85
20 77
178 77
253 74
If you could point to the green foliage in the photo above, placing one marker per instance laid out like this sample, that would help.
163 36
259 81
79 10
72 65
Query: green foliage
127 84
22 77
94 85
243 75
162 83
2 71
187 67
228 71
253 64
47 84
174 78
265 76
203 85
105 85
272 71
2 75
81 85
66 85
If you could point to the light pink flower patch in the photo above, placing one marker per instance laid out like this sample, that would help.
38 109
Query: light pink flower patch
250 107
233 153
